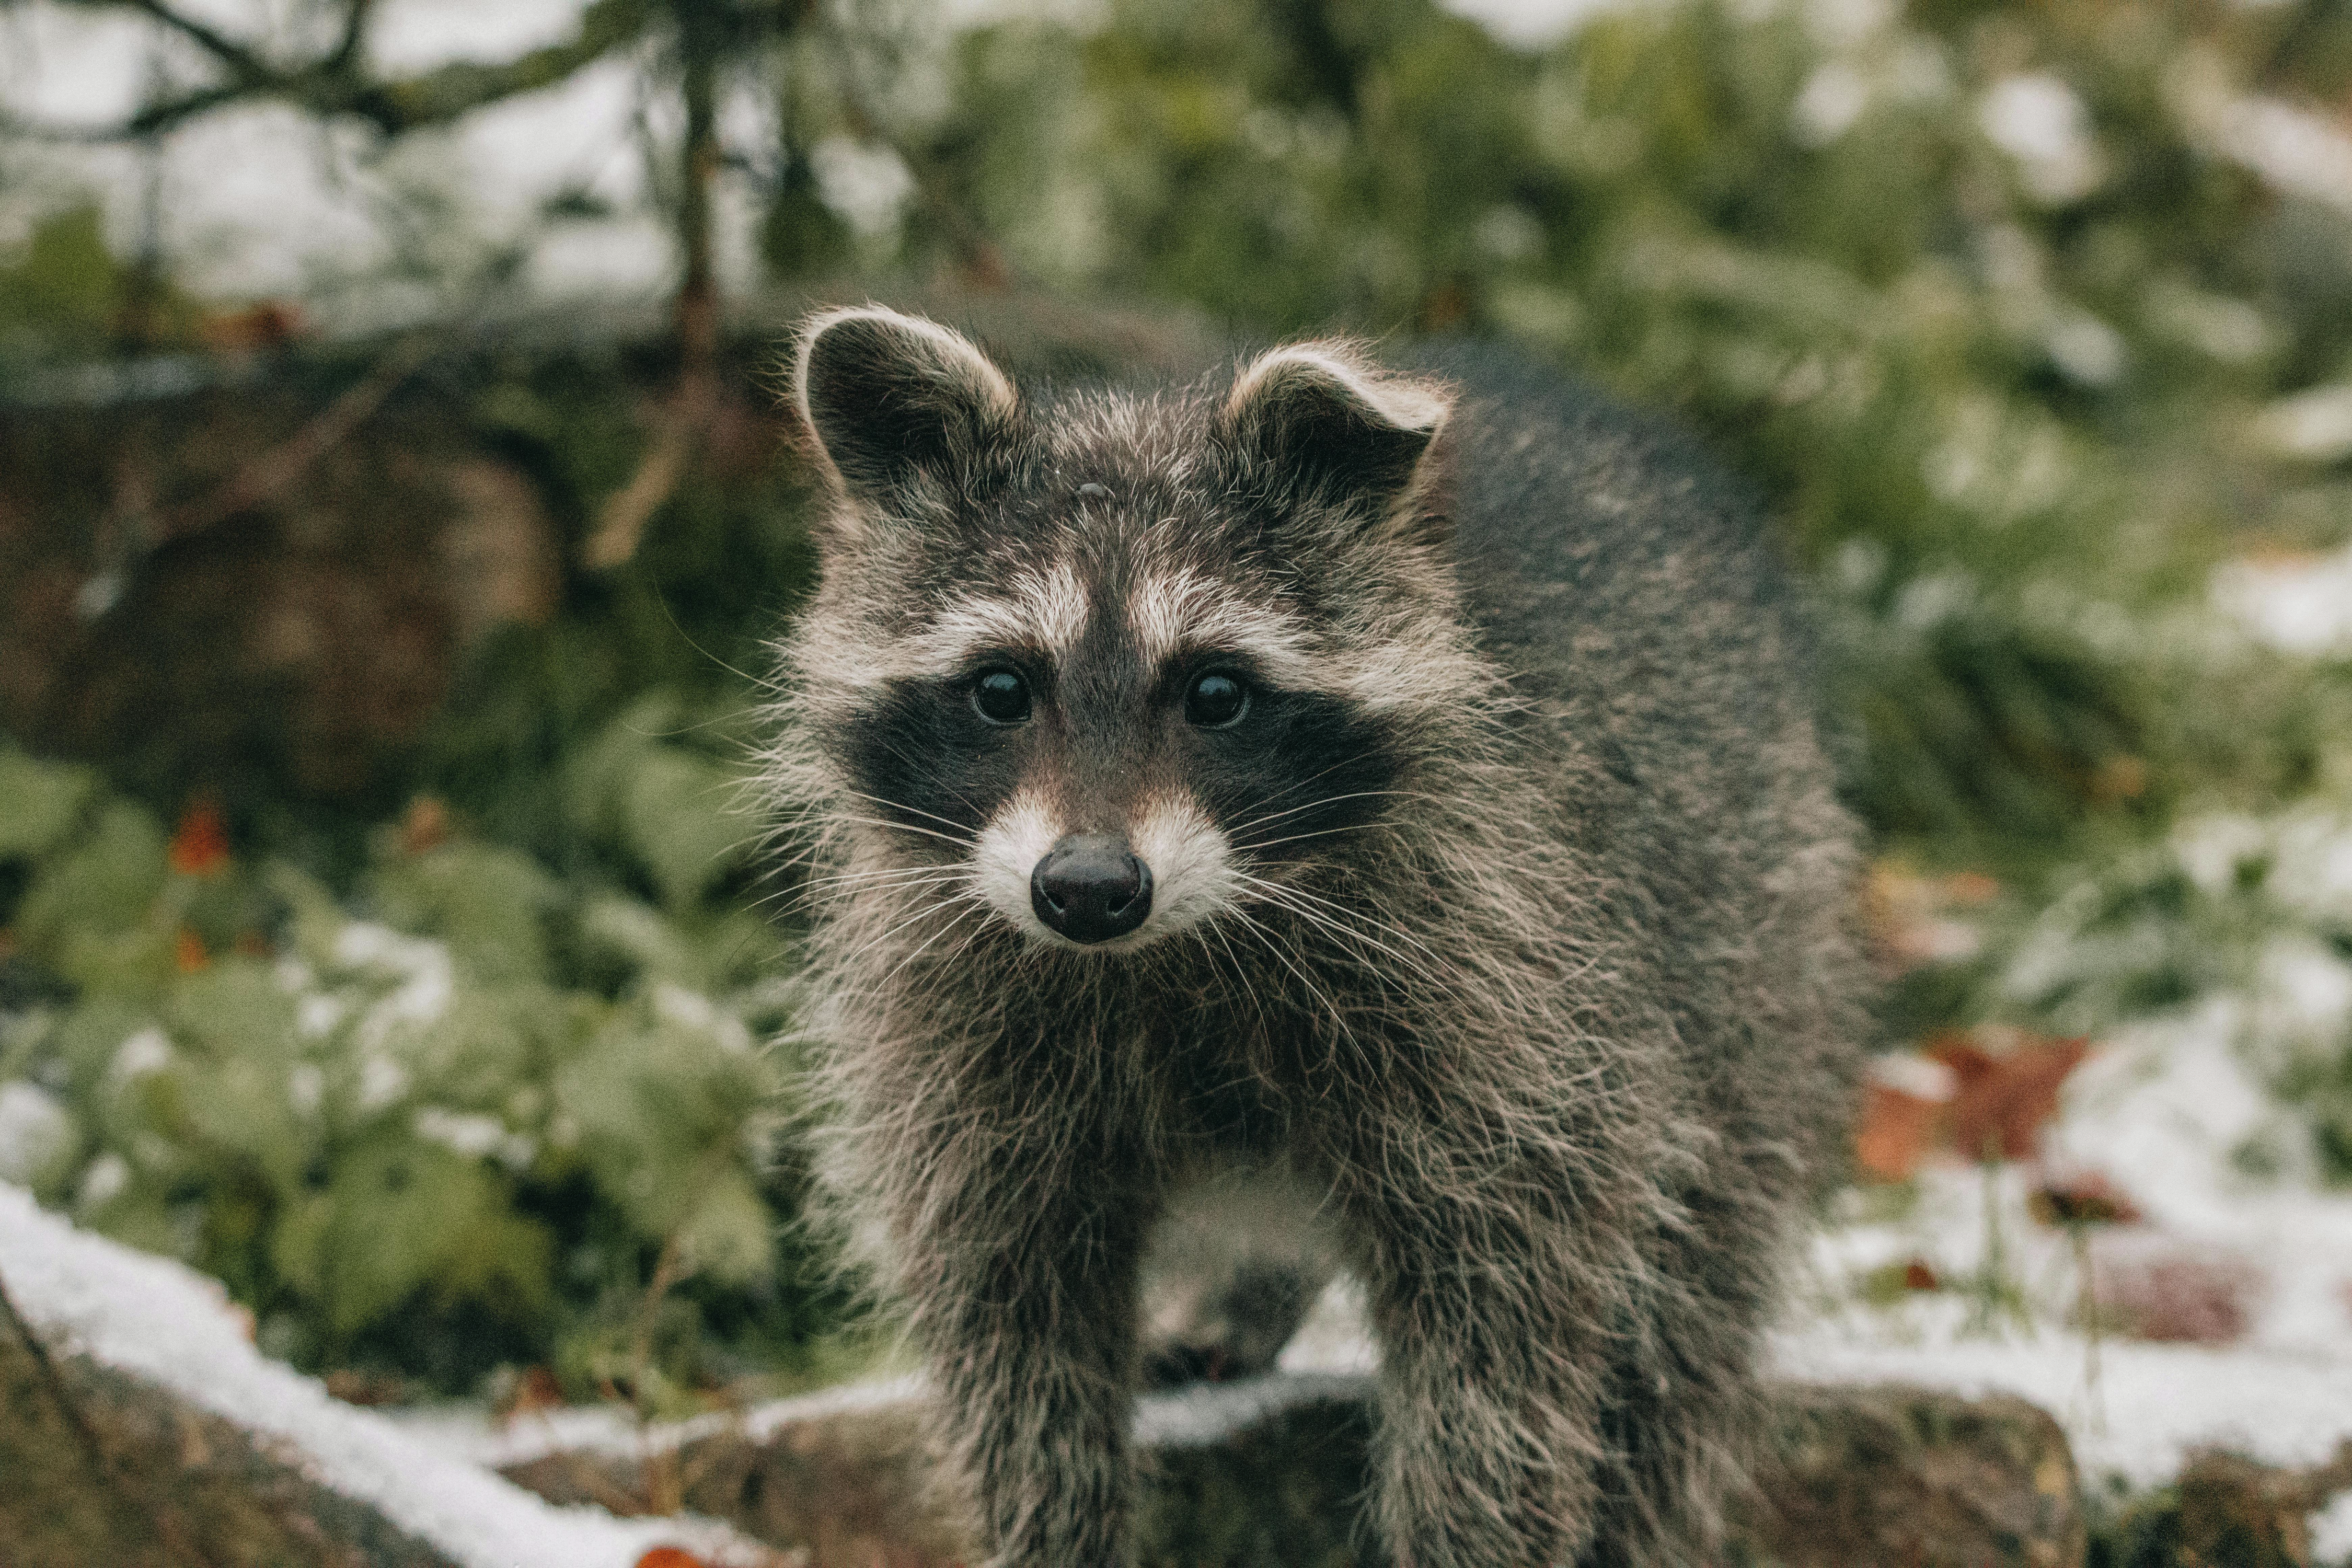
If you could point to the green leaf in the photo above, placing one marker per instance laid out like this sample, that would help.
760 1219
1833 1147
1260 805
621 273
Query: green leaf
105 881
403 1218
39 803
490 903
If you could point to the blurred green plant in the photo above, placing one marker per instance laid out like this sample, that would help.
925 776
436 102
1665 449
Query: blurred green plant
456 1119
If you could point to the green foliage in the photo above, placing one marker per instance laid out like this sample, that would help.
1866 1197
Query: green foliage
449 1119
64 293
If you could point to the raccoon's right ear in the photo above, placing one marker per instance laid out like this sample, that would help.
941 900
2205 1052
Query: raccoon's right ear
897 403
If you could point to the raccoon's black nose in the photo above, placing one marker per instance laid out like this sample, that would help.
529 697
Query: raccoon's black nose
1091 887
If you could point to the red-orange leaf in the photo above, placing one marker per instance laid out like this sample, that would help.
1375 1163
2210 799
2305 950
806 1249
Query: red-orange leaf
2001 1103
188 954
670 1557
200 845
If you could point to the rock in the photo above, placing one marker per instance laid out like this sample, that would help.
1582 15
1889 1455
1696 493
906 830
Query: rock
2228 1511
98 1468
1899 1475
840 1475
140 1428
1268 1473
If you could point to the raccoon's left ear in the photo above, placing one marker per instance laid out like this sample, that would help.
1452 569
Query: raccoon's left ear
1322 419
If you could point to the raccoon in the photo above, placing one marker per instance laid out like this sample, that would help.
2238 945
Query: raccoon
1398 789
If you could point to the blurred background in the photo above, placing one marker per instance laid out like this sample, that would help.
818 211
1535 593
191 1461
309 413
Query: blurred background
395 507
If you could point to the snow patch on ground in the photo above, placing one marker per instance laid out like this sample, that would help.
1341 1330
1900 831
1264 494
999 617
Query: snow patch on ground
162 1322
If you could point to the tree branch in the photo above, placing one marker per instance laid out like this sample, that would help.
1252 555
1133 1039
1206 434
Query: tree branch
334 84
357 14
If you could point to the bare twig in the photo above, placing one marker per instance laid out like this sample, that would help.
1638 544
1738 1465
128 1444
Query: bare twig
271 473
680 429
621 521
132 529
334 86
241 61
663 1487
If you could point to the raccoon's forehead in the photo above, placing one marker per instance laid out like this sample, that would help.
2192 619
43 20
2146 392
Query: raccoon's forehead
1106 578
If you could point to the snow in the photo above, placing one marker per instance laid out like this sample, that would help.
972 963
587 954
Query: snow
1190 1417
2264 1263
35 1130
468 1434
2152 1406
160 1321
2298 607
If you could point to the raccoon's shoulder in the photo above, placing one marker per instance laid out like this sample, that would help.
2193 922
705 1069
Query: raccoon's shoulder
1589 530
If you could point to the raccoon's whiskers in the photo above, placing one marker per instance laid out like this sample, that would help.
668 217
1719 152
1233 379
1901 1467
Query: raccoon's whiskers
1267 940
902 805
1327 913
1323 772
964 842
1370 951
883 875
973 899
793 901
966 895
1375 825
1201 933
1336 799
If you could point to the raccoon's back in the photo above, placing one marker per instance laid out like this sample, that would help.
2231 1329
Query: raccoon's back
1635 594
1610 565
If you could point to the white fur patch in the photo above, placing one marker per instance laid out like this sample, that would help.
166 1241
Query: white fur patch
1008 850
1043 610
1182 610
1192 873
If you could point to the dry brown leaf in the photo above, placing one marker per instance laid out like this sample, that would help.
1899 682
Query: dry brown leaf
2000 1103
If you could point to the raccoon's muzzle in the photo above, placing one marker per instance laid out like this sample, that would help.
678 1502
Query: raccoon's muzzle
1091 887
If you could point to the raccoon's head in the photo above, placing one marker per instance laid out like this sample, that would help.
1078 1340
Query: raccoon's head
1113 666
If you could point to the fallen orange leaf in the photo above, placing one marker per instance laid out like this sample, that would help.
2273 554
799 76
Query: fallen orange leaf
670 1557
2001 1103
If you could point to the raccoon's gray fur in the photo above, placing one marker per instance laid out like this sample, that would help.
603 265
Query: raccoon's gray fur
1402 787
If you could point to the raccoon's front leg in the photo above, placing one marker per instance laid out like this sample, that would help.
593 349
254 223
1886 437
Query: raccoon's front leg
1492 1316
1029 1321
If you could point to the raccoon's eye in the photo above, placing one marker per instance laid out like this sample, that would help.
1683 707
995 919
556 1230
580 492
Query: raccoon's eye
1216 700
1001 697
